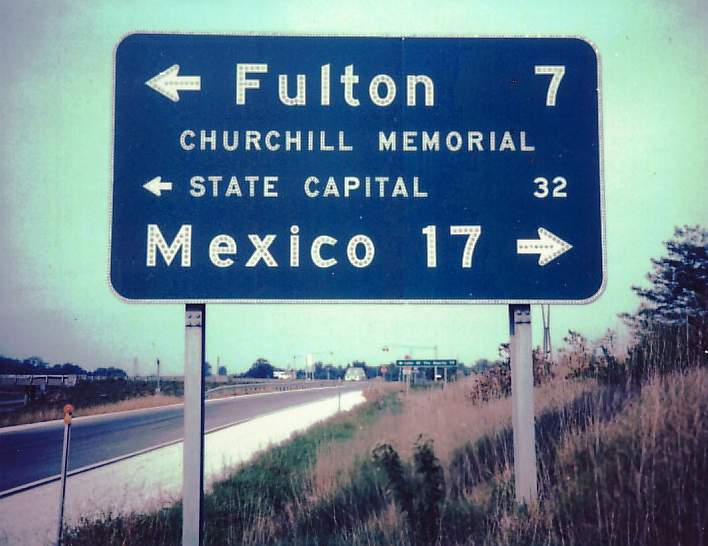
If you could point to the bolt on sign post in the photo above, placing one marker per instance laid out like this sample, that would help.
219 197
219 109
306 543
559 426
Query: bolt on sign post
68 412
284 169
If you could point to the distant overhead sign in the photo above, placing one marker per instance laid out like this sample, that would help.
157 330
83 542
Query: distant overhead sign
436 363
293 168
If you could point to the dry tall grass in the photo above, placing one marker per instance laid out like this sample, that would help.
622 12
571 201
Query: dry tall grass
450 417
617 466
642 477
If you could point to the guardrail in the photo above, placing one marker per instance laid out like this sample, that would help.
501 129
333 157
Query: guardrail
44 380
272 386
209 379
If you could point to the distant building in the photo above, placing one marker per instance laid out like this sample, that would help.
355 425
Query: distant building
222 370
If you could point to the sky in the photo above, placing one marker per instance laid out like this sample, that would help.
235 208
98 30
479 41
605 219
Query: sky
56 63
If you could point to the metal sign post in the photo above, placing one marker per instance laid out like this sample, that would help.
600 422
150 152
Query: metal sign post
68 412
522 414
193 446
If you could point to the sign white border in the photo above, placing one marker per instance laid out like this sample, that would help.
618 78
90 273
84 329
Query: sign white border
603 240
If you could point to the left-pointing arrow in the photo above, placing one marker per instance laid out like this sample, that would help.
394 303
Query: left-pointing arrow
156 186
169 83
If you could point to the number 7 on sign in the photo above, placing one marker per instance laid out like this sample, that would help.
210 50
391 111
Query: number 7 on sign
556 73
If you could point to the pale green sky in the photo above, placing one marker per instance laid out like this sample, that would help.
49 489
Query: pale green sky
55 147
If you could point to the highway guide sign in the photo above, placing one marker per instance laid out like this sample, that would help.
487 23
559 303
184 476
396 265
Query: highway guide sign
377 169
447 363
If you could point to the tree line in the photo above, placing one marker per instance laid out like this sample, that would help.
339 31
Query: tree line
37 366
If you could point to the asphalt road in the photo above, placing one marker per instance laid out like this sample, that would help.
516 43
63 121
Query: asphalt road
34 453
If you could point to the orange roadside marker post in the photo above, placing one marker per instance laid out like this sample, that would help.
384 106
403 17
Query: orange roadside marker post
68 413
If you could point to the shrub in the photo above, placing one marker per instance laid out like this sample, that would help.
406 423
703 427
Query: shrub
419 491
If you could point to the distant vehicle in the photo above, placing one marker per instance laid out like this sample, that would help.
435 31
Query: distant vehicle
283 374
355 374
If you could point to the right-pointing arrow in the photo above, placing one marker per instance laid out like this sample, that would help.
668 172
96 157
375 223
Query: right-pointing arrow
156 186
547 246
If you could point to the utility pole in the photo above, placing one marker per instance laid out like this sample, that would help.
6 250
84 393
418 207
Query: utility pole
157 390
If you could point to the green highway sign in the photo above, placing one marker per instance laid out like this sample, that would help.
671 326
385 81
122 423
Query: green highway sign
447 363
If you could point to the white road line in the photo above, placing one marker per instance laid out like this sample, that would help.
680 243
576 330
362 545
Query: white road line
54 422
50 479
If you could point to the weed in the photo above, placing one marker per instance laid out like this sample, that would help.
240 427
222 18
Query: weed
419 491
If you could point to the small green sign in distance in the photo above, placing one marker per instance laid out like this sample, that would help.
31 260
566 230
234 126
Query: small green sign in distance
446 363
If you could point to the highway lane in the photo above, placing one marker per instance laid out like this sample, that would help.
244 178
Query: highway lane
34 453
